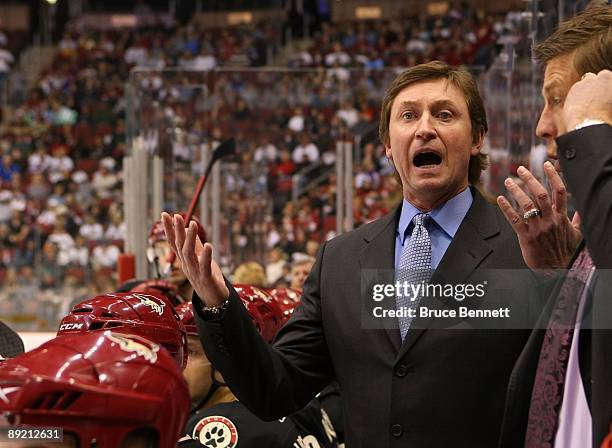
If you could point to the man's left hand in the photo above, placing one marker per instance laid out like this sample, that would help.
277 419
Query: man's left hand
591 97
547 241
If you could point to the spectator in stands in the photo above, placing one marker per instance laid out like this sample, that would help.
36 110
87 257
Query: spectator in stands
8 167
205 60
250 273
83 188
266 152
297 122
50 272
306 152
91 230
337 57
275 264
367 178
105 255
116 230
300 269
78 255
338 73
38 161
104 179
38 187
5 205
6 60
61 237
60 164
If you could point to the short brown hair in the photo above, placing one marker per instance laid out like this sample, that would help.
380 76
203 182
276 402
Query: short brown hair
460 78
588 35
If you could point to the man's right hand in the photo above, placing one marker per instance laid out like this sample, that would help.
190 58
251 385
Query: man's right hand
547 241
196 260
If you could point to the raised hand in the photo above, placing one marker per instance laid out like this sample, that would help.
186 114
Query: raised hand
591 97
547 240
196 260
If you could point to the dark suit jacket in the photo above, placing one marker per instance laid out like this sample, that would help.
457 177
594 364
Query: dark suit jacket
438 388
586 161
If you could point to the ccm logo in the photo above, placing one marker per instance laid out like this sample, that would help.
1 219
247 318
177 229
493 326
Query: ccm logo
71 327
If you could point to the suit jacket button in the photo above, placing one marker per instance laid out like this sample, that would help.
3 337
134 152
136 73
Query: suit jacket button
396 430
570 153
401 371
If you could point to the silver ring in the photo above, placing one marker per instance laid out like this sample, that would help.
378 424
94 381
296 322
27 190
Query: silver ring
531 213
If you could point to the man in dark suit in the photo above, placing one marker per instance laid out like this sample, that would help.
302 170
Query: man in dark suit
427 385
560 392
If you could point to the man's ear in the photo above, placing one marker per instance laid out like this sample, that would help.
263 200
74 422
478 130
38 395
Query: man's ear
388 152
477 145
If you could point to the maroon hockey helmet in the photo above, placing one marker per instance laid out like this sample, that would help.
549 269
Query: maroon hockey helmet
150 315
185 312
169 290
102 388
287 299
157 233
264 311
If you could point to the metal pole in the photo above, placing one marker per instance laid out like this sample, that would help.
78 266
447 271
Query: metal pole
348 185
140 211
339 187
158 193
128 206
295 187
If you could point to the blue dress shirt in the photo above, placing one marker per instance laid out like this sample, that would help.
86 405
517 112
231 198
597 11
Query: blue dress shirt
445 221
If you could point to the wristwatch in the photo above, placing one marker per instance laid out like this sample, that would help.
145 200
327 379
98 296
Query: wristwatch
588 122
214 312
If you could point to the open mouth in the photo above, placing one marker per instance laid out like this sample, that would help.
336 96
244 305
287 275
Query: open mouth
427 159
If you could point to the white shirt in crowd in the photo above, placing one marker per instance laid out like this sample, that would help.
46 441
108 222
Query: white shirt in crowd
104 183
136 55
105 256
274 271
38 162
114 232
296 123
265 153
339 57
349 116
204 62
73 256
59 168
6 59
63 240
305 153
91 231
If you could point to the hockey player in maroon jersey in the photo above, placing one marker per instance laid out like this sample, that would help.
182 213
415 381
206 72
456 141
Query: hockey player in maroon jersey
218 419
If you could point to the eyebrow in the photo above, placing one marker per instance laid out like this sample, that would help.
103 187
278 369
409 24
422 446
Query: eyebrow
550 86
435 105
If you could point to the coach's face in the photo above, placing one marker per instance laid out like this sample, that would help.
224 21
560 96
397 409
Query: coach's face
430 142
559 76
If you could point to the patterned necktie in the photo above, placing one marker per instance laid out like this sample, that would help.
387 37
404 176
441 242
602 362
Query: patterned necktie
547 394
414 268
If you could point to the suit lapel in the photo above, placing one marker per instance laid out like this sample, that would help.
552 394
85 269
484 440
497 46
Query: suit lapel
466 252
379 253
